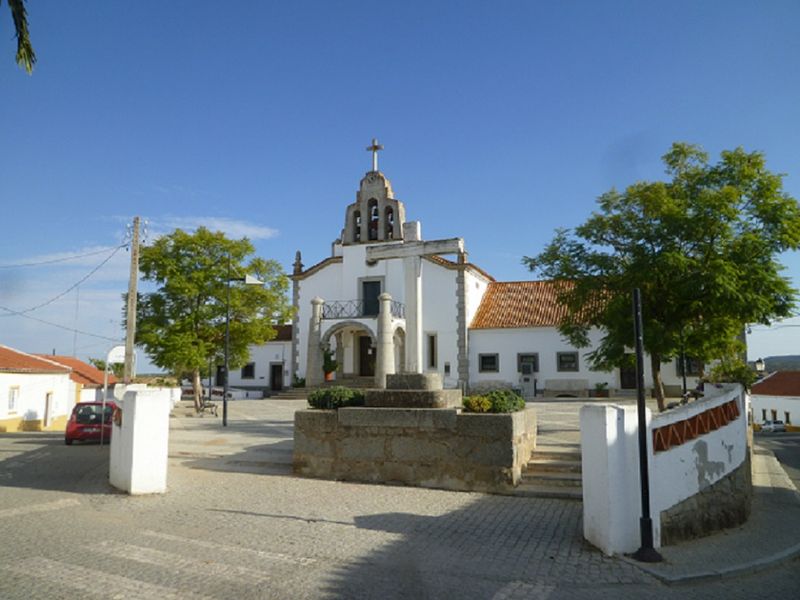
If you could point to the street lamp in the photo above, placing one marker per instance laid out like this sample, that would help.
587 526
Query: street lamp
760 366
247 280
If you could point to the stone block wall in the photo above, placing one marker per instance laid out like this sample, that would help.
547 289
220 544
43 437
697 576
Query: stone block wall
437 448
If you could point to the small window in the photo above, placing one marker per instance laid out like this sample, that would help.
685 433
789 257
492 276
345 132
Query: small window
488 363
432 359
763 414
567 361
787 418
694 367
357 226
249 371
531 358
13 396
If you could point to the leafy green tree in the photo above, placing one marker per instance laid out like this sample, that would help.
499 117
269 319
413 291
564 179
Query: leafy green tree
702 247
182 324
26 57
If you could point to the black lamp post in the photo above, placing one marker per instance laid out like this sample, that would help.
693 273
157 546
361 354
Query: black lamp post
646 553
247 280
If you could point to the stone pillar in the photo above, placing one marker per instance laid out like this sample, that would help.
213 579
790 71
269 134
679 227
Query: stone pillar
314 374
384 358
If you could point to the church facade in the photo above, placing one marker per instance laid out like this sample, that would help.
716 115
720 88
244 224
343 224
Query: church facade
387 301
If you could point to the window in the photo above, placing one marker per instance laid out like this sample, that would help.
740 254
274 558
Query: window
357 226
389 222
249 371
694 367
567 361
488 363
763 414
432 362
530 358
370 290
787 418
13 396
373 219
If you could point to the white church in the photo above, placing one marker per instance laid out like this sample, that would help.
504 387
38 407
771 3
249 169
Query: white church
388 301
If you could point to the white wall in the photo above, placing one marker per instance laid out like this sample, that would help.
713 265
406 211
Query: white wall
33 390
546 341
609 449
264 357
780 404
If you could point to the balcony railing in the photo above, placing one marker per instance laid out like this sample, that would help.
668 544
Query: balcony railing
359 309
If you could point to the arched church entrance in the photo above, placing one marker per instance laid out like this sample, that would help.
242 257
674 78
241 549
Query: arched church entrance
354 345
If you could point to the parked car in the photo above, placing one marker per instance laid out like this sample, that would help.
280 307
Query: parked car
773 426
85 423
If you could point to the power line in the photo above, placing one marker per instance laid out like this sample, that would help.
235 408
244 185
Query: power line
56 260
65 328
72 287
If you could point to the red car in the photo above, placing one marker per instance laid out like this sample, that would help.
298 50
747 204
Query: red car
84 422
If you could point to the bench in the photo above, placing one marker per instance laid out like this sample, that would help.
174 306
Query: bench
207 405
576 388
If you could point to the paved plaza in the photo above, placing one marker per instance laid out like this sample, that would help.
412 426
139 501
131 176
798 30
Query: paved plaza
236 523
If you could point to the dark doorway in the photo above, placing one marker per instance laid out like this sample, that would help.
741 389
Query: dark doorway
627 376
276 377
366 357
219 379
370 290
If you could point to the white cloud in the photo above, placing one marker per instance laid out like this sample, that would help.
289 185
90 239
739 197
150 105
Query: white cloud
234 228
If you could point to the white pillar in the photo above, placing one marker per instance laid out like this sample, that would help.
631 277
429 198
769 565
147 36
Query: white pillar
314 374
611 492
384 359
140 442
412 266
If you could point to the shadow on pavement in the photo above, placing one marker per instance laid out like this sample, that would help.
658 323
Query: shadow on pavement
51 465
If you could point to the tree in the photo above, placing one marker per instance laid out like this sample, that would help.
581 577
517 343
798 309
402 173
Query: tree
26 57
182 324
702 248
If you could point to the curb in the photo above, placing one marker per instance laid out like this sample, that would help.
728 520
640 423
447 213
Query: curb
750 568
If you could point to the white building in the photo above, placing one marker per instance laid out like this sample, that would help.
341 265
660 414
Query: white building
442 313
36 394
777 397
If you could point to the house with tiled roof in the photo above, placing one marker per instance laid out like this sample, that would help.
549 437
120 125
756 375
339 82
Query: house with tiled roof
88 379
776 397
386 300
36 394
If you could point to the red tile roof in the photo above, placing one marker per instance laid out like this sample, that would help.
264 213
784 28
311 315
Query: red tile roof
14 361
781 383
508 304
82 372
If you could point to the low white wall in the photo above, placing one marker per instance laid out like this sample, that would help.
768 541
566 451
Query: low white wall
139 444
682 471
610 455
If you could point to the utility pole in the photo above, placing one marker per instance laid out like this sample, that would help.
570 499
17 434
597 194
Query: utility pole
130 314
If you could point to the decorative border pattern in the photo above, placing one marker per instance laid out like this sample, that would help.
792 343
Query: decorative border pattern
680 432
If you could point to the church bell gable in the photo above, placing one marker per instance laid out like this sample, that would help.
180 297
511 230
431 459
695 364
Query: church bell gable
375 216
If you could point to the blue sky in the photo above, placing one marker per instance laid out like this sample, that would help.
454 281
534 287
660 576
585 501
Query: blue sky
502 121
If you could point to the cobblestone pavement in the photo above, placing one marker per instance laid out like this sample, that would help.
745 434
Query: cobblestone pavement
236 524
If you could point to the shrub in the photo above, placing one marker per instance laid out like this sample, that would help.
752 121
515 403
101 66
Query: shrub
496 401
335 397
477 404
299 382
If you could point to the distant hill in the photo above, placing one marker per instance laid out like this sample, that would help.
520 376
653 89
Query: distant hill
788 362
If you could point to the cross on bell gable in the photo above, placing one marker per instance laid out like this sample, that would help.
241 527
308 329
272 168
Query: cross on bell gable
375 148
